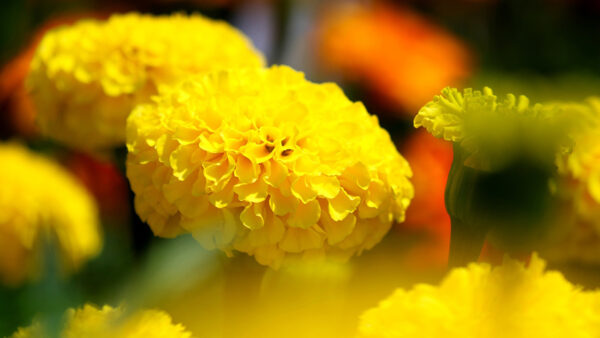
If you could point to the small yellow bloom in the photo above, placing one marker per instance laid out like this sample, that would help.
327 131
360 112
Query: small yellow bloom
92 322
86 78
38 198
265 162
480 301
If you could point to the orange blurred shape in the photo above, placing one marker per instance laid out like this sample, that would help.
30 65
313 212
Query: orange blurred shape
14 100
105 182
401 56
430 159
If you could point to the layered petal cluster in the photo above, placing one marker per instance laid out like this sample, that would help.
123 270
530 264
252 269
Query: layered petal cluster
39 199
90 321
492 130
481 301
86 78
265 162
401 56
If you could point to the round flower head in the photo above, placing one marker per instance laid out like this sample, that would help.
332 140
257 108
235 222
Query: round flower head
93 322
39 198
86 78
265 162
480 301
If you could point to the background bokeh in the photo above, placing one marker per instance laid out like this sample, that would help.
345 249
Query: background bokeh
393 56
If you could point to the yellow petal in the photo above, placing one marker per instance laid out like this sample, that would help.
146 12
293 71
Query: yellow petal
325 186
253 192
342 205
252 216
302 191
275 173
305 215
298 240
377 194
337 231
245 170
281 205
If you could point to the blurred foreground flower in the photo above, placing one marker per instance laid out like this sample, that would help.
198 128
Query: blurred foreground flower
265 162
40 200
505 151
85 79
93 322
401 56
481 301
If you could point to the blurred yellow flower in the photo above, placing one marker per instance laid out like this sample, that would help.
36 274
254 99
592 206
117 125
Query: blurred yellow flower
92 322
38 198
265 162
577 234
492 130
400 55
481 301
86 78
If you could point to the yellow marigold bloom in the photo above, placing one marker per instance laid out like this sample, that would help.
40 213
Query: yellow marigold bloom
39 198
265 162
92 322
493 130
577 234
86 78
480 301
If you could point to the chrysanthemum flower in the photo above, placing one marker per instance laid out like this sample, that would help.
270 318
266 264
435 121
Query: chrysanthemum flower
265 162
481 301
93 322
39 198
85 79
399 55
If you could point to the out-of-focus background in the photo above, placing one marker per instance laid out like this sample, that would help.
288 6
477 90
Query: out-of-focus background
392 55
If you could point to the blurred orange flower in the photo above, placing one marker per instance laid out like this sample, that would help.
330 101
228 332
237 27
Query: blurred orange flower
401 56
14 100
430 159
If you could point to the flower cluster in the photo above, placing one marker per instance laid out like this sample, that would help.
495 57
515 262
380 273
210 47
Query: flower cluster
481 301
107 321
38 198
265 162
86 78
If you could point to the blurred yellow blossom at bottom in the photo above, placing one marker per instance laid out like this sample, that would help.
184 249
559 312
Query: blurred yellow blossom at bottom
481 301
92 322
39 199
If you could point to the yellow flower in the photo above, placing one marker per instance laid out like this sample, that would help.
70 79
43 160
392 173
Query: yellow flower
265 162
92 322
494 131
39 198
577 233
86 78
480 301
